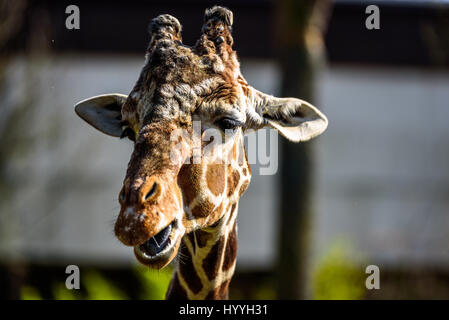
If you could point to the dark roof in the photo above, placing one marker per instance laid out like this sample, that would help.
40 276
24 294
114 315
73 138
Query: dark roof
409 34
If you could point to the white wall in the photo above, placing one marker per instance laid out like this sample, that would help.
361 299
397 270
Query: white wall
383 165
382 174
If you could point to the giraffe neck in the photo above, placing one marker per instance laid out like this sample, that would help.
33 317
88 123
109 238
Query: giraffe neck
206 261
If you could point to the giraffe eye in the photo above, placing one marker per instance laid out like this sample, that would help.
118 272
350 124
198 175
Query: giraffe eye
228 123
128 133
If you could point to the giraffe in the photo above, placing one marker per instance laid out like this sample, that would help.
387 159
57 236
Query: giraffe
176 202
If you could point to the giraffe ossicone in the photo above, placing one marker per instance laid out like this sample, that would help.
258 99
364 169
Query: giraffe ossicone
171 207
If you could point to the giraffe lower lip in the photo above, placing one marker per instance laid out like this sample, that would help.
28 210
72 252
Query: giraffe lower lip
157 243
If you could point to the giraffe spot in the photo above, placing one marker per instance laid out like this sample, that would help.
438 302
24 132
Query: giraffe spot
176 291
230 251
211 296
246 161
191 237
188 178
215 178
231 213
245 172
188 272
233 181
216 217
223 290
202 209
219 293
202 237
210 263
234 152
243 187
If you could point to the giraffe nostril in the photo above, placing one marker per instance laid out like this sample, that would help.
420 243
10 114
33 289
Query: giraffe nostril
153 192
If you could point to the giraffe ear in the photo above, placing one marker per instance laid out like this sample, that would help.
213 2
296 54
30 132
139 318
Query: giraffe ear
297 120
103 112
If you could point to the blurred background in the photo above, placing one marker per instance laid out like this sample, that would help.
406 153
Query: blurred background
373 189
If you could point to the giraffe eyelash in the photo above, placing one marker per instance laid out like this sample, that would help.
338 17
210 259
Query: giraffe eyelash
227 123
128 133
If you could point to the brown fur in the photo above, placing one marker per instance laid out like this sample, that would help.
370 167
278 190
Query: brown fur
233 180
188 272
202 237
220 293
210 263
231 250
177 292
215 177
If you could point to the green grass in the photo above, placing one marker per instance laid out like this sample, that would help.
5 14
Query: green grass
153 285
337 277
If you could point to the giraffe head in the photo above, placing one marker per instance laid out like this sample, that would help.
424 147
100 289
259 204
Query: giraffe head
184 95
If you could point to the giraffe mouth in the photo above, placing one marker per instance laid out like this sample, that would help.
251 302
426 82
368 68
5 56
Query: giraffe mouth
157 243
157 251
